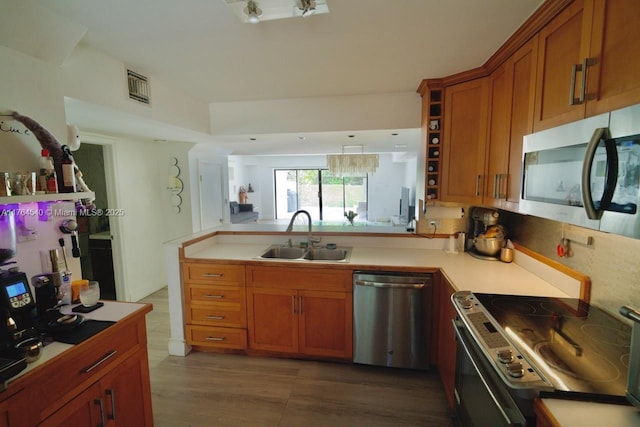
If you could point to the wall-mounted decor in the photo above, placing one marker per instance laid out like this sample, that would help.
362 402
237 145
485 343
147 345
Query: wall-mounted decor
175 185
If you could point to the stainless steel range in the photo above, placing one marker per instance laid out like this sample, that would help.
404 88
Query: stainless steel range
515 348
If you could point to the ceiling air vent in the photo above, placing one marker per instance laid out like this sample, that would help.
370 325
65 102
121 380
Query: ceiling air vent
138 87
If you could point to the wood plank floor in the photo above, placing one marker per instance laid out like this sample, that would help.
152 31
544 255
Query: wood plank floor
206 389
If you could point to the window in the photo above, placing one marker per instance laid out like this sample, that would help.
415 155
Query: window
325 196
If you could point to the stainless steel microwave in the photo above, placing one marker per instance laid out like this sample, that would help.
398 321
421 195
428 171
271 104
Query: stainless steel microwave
586 173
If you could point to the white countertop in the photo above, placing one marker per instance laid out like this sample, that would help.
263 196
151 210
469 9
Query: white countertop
575 413
463 271
111 311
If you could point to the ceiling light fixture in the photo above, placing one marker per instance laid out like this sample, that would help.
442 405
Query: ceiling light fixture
308 7
253 12
352 164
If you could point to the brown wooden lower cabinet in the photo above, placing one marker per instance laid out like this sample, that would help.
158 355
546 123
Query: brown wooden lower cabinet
544 418
286 316
101 381
112 401
215 306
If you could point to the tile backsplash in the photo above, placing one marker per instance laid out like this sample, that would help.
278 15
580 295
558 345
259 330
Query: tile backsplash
610 261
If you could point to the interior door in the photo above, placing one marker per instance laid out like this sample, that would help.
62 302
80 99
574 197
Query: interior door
211 194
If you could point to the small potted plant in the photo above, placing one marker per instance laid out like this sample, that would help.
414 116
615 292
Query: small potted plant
350 216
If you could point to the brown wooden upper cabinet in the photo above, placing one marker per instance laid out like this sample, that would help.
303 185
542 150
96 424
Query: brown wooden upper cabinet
512 101
588 61
466 112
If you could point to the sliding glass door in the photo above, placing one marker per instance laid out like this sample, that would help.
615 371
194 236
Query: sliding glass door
325 196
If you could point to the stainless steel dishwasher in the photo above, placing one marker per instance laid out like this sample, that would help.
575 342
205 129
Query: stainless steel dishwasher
391 319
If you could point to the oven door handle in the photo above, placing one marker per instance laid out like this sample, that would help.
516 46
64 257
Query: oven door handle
457 325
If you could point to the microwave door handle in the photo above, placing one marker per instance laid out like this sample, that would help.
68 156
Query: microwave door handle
612 173
587 198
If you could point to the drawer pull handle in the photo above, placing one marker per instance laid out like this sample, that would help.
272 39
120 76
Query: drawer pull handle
104 358
215 338
213 275
99 403
211 316
214 296
112 395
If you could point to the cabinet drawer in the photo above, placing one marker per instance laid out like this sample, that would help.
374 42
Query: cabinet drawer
212 273
217 337
87 362
217 314
214 294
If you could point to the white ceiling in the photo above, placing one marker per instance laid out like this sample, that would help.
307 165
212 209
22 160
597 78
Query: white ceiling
360 47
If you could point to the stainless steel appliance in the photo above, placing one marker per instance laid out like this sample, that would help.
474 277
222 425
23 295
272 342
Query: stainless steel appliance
391 319
586 173
488 236
512 349
633 379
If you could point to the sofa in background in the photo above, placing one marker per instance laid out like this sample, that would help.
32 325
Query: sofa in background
242 213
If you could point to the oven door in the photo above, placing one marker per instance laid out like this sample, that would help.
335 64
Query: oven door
482 398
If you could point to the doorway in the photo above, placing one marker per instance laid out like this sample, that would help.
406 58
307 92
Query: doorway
94 231
325 196
211 194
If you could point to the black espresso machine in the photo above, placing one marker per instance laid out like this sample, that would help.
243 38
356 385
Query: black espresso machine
20 342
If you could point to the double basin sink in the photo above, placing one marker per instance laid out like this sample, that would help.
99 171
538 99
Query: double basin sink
307 254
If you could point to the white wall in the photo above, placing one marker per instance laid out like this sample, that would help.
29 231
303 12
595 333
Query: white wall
202 152
38 89
358 112
384 184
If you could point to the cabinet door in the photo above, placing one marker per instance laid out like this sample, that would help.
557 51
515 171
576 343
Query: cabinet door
512 98
447 341
465 138
86 409
560 47
325 323
523 75
272 316
16 410
613 79
124 391
499 133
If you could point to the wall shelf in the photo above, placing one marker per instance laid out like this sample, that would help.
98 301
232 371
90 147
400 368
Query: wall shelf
47 198
433 125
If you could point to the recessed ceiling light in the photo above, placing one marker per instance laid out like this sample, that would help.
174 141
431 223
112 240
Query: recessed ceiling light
351 136
302 137
394 134
252 139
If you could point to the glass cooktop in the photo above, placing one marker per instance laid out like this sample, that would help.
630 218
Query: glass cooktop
576 346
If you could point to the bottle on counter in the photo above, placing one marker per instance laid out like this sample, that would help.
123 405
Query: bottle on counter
47 178
68 175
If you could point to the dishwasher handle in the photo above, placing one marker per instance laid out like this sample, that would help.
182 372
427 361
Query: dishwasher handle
390 285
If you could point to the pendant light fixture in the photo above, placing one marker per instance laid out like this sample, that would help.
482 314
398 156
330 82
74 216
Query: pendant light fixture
358 164
253 12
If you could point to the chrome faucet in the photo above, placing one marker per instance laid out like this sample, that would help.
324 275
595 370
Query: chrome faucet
310 240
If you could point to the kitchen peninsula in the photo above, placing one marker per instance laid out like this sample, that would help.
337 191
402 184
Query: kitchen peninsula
237 250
